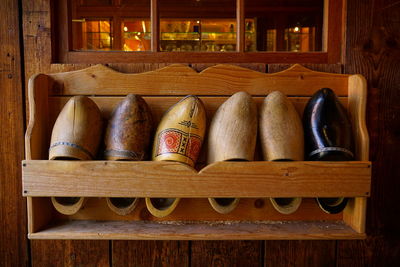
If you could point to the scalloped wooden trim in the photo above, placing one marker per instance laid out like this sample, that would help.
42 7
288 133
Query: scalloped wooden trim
178 79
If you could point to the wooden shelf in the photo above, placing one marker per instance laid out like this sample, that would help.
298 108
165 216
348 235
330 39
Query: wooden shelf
143 230
253 182
171 179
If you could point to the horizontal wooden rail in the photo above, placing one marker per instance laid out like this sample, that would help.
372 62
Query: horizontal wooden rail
142 230
171 179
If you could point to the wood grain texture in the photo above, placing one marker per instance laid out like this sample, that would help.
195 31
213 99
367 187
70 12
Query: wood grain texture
228 253
150 253
374 251
13 245
170 179
374 52
144 230
330 68
37 28
260 67
179 79
101 57
300 253
372 49
70 253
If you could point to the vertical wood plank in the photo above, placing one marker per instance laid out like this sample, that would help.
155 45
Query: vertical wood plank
372 49
373 32
240 26
300 253
335 22
70 253
150 253
63 37
155 25
375 251
117 29
226 253
37 30
13 243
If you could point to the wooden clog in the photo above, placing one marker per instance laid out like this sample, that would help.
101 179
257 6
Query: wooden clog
282 139
179 137
76 136
328 137
128 138
232 137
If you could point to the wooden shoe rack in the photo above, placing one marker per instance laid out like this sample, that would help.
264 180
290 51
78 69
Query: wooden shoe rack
254 182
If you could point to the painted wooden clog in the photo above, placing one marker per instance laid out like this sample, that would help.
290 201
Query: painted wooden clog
232 137
179 137
76 136
128 138
282 139
328 137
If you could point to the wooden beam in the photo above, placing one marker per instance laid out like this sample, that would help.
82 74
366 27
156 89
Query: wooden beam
13 244
155 26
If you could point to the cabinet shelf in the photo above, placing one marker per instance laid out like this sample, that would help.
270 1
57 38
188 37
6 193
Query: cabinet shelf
253 182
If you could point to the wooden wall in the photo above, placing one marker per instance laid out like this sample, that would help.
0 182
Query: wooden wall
372 49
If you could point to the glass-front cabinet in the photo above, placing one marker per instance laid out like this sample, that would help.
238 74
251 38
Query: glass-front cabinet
198 26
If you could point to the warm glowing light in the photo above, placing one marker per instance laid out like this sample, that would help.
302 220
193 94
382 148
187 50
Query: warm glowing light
296 29
144 26
125 29
198 21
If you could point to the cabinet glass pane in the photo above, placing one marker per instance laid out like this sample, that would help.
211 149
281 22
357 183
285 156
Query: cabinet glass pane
206 25
122 25
136 35
94 34
294 26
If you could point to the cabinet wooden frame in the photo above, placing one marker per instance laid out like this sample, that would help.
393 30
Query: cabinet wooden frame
333 40
254 218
